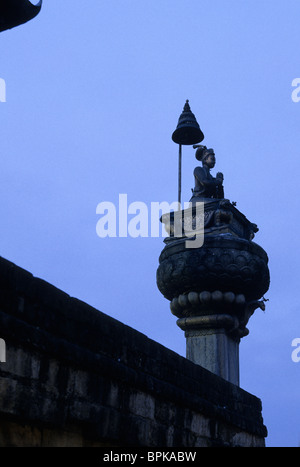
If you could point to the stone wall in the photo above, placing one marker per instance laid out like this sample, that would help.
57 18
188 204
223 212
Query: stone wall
74 376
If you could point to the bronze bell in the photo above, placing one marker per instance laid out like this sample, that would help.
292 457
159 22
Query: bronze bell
188 130
16 12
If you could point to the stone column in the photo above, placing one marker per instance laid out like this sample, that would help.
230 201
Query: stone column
214 289
211 346
214 323
215 351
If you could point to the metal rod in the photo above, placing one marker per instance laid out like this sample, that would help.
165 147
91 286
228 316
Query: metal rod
179 177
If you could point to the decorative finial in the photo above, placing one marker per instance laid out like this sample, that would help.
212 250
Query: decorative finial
186 107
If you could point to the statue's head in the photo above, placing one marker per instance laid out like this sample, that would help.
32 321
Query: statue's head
206 156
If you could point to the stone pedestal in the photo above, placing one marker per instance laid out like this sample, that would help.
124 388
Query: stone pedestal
214 289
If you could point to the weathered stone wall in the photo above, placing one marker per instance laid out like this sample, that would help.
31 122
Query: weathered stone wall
74 376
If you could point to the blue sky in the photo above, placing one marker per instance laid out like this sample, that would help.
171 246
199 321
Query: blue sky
93 94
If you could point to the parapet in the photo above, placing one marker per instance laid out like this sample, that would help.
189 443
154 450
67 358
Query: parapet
75 377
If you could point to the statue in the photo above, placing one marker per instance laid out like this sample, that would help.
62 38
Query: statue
206 186
216 279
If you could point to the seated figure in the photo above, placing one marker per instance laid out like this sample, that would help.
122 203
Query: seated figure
206 186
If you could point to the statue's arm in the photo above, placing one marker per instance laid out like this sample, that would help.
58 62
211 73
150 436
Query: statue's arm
200 175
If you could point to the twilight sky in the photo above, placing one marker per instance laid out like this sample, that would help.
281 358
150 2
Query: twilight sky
93 94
